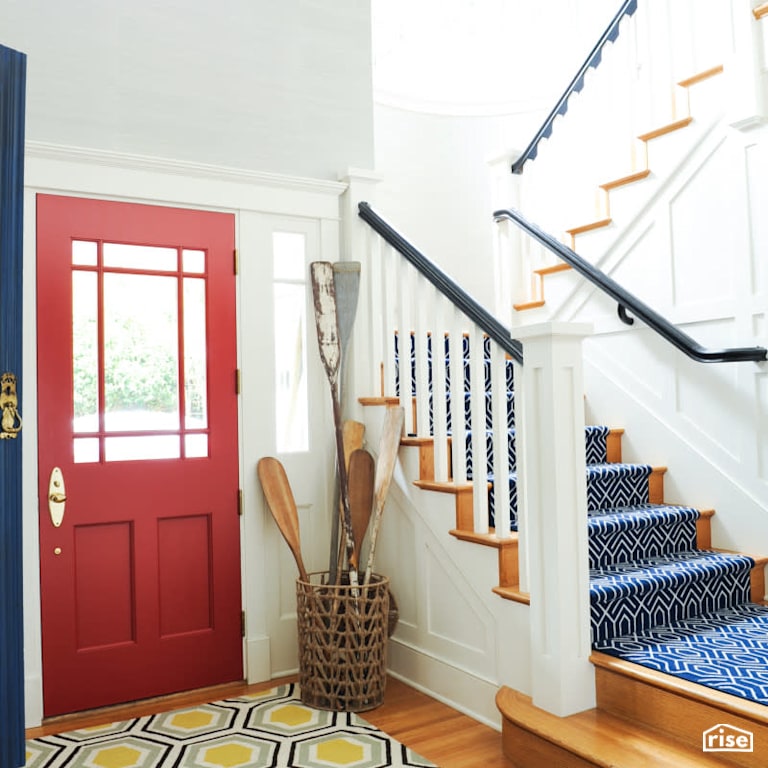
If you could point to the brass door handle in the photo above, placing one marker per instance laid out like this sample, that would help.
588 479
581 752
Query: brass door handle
57 495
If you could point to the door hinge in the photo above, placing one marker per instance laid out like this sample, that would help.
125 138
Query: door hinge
242 623
238 387
236 261
240 502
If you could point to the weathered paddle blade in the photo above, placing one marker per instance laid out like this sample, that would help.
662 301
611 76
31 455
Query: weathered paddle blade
361 472
279 496
327 324
346 280
389 445
326 318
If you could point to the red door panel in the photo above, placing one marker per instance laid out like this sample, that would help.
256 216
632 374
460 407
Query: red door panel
140 584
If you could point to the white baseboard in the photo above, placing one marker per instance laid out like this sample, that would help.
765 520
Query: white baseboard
460 689
33 701
257 659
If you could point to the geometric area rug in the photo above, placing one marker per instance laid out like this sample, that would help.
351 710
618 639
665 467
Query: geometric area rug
271 729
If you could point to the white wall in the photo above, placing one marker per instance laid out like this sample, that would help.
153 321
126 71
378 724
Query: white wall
436 188
268 85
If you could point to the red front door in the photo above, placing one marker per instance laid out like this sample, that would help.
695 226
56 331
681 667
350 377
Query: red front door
138 451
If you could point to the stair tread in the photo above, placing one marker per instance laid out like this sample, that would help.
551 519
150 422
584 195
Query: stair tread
661 569
640 515
603 739
725 649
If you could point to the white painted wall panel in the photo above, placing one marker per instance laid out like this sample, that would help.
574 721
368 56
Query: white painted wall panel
270 85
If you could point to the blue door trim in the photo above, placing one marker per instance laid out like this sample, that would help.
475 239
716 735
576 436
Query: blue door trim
13 67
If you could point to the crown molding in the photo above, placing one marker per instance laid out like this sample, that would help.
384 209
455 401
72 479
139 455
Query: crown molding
123 160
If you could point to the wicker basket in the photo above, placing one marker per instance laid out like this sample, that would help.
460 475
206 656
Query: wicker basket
343 633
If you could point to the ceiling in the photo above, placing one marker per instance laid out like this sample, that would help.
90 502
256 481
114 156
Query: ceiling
481 56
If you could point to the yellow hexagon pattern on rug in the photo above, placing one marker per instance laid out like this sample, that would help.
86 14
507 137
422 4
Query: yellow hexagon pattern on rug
228 756
196 721
119 756
291 715
340 752
288 718
190 721
345 750
235 751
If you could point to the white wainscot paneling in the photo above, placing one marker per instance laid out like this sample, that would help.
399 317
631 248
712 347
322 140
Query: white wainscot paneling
457 627
761 385
708 399
635 360
709 233
644 269
397 558
757 192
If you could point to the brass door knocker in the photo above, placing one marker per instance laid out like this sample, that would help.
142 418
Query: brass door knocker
10 421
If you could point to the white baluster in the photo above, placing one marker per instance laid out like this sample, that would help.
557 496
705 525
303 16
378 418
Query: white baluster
439 389
500 441
479 451
405 328
458 425
421 296
390 288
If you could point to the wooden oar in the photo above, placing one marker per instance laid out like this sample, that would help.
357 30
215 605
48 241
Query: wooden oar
346 283
326 320
277 491
352 437
389 444
361 474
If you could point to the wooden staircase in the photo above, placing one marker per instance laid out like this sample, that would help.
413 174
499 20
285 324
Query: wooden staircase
642 718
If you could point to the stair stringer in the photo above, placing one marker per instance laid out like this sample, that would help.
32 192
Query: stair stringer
669 404
609 249
566 291
455 638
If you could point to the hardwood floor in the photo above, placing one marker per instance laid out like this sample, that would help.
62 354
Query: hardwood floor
441 734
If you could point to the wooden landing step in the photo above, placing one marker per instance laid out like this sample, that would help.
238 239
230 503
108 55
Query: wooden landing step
624 180
665 129
643 719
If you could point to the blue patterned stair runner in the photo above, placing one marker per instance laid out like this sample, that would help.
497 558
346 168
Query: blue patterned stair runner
725 649
656 600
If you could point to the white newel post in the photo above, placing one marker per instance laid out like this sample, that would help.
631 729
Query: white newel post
358 370
550 401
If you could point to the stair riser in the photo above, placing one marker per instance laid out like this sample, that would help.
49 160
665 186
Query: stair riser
638 612
678 715
606 547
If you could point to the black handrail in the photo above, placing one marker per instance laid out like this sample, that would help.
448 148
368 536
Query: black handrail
628 301
611 33
450 289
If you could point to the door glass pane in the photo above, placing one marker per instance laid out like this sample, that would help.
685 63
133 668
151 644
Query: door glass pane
196 446
290 301
86 450
195 373
289 249
141 365
85 354
137 447
144 257
193 261
84 253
